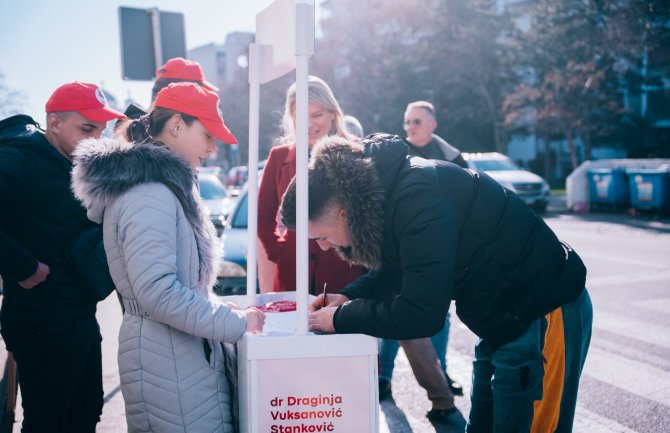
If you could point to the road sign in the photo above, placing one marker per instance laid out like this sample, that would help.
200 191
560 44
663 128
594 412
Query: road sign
148 39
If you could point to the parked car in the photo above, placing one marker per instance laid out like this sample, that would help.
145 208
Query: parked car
210 169
215 198
232 276
531 188
236 178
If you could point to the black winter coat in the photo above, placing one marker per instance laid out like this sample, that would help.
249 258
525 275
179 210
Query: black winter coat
453 234
40 219
455 158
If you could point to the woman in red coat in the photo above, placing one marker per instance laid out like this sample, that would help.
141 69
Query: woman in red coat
325 118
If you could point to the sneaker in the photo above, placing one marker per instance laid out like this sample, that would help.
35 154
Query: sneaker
438 415
385 390
456 388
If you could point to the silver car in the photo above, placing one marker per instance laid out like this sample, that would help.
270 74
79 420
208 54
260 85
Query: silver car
216 200
531 188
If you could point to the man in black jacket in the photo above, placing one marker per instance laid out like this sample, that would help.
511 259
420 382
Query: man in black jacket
432 232
48 314
420 123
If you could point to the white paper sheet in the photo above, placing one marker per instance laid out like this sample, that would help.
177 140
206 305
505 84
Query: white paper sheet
280 323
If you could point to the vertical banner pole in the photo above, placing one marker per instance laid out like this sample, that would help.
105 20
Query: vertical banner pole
156 34
304 48
255 66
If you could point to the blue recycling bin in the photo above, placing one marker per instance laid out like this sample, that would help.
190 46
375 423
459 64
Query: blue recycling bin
650 188
608 187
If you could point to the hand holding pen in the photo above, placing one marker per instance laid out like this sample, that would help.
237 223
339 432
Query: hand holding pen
326 299
325 294
322 311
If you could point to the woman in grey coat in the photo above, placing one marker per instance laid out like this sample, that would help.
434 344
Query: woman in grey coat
163 259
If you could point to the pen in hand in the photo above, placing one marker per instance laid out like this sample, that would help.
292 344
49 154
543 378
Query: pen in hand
325 293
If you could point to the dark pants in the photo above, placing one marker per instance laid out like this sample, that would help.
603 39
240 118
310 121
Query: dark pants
60 377
530 384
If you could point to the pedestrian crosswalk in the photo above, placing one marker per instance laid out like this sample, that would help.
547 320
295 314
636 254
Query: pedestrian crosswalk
652 275
635 329
635 377
656 305
587 421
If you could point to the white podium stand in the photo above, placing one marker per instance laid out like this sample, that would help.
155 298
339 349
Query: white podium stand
305 383
291 380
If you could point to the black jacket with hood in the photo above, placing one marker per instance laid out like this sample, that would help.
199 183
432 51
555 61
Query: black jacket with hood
40 219
432 232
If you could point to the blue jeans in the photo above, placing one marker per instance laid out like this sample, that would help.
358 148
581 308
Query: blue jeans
509 390
388 350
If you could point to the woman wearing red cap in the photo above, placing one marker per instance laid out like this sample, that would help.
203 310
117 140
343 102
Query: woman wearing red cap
325 118
163 258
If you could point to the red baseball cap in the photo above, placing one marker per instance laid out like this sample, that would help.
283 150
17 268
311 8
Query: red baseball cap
86 99
190 98
179 68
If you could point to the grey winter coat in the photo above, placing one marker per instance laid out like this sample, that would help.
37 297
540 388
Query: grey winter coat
162 256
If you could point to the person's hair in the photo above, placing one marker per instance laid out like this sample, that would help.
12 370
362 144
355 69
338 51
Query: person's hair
353 126
150 125
62 115
321 195
161 83
323 189
430 109
318 93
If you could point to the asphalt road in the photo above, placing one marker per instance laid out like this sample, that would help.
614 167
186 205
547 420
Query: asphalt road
625 386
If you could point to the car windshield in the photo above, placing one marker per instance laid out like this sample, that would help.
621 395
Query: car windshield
211 188
240 218
494 165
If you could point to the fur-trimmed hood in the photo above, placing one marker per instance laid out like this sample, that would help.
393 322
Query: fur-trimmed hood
106 168
361 175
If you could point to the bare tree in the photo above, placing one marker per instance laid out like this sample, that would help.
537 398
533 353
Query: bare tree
11 101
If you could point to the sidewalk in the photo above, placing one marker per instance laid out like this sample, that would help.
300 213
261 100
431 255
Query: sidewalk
113 414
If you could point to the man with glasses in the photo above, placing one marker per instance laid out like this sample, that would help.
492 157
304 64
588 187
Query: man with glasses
420 123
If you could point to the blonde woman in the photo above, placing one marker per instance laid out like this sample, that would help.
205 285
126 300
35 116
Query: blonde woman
325 118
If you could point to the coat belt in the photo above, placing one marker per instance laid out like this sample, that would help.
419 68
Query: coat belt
132 307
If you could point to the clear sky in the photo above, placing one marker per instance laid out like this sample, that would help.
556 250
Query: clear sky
46 43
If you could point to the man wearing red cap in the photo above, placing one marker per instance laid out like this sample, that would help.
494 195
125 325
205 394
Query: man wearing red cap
175 70
179 69
48 311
